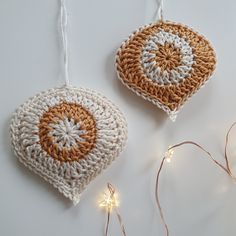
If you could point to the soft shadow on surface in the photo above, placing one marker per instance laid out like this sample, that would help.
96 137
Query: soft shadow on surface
143 106
28 174
198 104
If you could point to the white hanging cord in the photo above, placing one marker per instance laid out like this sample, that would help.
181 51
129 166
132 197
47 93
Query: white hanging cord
63 26
159 12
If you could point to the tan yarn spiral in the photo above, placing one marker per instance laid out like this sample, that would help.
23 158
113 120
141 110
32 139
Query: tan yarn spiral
80 115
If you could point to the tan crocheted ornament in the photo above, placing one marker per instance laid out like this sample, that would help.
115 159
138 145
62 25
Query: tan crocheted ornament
68 135
165 63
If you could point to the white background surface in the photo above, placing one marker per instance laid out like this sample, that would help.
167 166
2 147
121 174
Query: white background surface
198 199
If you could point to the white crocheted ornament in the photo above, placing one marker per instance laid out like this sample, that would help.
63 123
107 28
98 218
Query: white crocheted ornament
68 136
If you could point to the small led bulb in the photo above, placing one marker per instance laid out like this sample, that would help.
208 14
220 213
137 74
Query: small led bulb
169 154
109 199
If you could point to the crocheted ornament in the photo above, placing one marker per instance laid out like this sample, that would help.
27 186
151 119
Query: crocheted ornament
68 136
165 63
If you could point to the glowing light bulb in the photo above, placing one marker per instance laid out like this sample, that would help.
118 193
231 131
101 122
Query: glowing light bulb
109 200
169 154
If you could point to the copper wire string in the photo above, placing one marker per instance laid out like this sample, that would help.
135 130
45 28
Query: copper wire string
157 198
112 191
108 222
226 169
226 147
120 222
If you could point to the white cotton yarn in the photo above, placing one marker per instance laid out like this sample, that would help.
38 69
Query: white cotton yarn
69 177
154 71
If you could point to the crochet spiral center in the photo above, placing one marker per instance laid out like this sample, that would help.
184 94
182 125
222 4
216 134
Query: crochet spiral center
168 57
67 132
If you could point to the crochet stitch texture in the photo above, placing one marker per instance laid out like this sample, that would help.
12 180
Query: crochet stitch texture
68 136
165 63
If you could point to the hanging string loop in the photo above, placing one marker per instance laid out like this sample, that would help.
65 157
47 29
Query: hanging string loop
159 11
63 20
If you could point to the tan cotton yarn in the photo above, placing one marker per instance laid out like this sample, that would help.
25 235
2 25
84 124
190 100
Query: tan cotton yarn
165 63
67 132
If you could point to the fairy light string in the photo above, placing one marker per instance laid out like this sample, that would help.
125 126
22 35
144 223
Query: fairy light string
110 203
226 148
167 158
